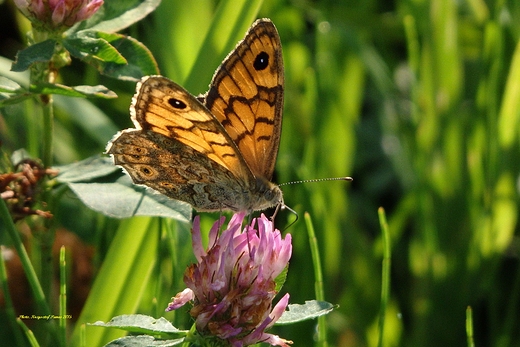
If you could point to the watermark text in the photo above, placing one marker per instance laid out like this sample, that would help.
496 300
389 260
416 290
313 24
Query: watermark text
45 317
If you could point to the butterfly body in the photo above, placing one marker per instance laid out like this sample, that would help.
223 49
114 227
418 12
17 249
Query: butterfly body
218 151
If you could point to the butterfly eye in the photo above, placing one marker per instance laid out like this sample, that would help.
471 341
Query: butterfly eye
261 61
176 103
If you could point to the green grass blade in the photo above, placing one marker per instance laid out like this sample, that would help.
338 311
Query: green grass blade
8 303
63 297
229 25
34 283
318 282
121 280
469 326
385 283
28 333
509 116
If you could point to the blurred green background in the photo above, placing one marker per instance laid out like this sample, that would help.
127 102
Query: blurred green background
417 100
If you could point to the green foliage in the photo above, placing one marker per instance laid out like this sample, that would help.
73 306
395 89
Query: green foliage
141 324
103 188
162 333
417 101
311 309
39 52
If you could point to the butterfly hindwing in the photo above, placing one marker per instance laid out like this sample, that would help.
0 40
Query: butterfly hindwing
177 171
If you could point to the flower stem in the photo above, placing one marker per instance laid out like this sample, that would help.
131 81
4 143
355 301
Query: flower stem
46 72
48 129
43 73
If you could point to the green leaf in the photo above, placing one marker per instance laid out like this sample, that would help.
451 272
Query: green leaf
77 91
143 324
86 170
140 61
9 86
114 55
311 309
9 99
143 341
117 15
92 50
11 92
122 199
37 53
113 194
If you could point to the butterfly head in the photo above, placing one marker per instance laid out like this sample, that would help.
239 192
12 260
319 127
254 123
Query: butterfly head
267 195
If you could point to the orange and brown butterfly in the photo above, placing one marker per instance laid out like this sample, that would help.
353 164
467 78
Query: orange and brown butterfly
218 151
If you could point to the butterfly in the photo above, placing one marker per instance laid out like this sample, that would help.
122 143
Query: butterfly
218 151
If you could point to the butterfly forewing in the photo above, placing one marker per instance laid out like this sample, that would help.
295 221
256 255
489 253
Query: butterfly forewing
251 113
164 107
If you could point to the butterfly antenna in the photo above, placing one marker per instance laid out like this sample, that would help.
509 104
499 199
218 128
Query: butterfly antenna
317 180
283 206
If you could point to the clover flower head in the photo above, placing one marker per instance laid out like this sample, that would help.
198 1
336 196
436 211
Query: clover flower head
58 14
232 286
